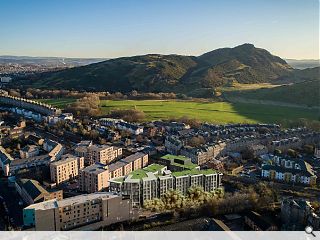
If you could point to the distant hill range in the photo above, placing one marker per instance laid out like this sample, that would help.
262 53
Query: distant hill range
176 73
302 64
48 61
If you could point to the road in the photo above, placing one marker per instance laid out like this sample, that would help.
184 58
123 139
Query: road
11 199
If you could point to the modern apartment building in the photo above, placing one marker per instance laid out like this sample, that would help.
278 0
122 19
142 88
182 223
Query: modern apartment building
177 162
128 164
83 212
94 178
103 154
81 149
155 180
66 169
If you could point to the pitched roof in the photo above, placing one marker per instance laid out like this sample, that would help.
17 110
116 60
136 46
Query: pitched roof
33 188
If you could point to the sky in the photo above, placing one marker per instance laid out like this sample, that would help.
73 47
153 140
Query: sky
115 28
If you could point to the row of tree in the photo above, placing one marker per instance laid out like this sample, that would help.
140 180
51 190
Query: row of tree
34 93
216 203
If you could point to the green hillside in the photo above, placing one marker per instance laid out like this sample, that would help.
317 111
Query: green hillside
303 93
170 73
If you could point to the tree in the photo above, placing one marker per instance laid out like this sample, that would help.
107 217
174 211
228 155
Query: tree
292 153
130 115
277 152
86 106
196 141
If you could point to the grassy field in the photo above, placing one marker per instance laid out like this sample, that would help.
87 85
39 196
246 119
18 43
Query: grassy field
59 102
215 112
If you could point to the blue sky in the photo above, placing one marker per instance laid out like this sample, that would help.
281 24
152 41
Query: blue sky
110 28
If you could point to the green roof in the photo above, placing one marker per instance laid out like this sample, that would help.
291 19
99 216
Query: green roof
138 174
193 172
154 167
142 173
189 166
172 157
120 179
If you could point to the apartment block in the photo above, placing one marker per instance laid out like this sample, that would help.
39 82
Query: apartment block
128 164
83 212
155 180
177 162
103 154
66 169
94 178
165 184
81 149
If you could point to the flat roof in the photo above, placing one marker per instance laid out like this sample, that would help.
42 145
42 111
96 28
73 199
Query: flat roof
172 157
133 157
65 160
116 165
119 180
50 204
193 172
188 166
138 174
154 167
96 168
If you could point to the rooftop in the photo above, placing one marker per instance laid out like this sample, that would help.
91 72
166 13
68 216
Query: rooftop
66 159
193 172
33 188
189 166
71 201
154 167
138 174
30 148
133 157
173 157
96 168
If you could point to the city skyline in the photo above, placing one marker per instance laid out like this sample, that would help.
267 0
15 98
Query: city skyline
289 28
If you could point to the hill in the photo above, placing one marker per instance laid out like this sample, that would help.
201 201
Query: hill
176 73
144 73
300 93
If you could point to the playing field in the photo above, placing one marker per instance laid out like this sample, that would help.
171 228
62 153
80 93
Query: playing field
215 112
59 102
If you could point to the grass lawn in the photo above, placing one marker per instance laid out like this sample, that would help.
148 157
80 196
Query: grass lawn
215 112
58 102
